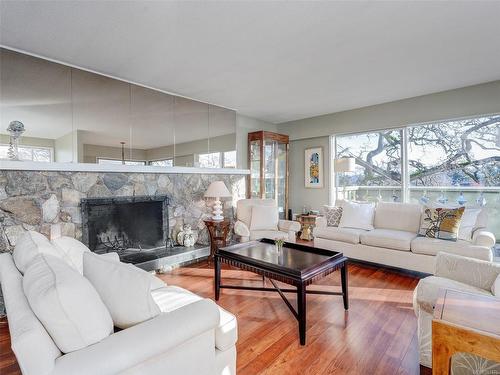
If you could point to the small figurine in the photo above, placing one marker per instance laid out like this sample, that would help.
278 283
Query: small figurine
186 237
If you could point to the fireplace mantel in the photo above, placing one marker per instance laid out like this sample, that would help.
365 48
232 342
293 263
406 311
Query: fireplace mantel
87 167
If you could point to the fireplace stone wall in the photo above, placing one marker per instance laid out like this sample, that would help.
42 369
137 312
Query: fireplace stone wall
49 202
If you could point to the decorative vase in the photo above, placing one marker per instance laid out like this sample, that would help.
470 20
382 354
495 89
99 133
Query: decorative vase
186 237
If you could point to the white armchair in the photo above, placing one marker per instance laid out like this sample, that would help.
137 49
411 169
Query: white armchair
458 273
285 229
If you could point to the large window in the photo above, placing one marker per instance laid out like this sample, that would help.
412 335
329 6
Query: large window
29 153
448 162
455 153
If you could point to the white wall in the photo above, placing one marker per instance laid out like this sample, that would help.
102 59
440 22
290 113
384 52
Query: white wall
299 195
467 101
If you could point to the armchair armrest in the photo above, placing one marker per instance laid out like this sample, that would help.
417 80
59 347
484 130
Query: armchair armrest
241 229
288 226
157 336
483 238
475 272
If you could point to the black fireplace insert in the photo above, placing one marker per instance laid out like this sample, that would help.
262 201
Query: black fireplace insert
125 223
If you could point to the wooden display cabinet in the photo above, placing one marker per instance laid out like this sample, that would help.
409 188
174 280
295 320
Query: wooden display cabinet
268 164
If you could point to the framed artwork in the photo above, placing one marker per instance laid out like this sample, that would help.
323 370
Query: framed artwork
313 162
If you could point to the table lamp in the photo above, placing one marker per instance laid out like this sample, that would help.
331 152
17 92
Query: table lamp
217 190
344 165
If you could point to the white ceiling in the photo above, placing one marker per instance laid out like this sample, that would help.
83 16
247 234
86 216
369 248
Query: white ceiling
277 61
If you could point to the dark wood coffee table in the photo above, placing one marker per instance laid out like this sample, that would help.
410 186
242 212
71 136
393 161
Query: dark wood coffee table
296 265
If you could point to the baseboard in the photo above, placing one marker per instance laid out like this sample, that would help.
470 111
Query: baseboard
402 271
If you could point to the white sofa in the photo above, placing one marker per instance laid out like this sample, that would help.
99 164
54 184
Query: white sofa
457 273
394 241
191 335
286 229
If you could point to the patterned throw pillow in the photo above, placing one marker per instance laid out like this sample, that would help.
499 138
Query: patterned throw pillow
332 215
442 223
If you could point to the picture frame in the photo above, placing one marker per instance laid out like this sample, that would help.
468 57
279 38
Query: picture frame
313 168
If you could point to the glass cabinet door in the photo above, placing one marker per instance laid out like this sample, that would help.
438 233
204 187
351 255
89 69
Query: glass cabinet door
255 169
268 163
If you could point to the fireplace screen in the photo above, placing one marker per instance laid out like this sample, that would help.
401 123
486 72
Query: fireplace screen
125 223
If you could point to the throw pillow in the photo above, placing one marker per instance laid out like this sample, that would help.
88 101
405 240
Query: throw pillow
73 250
333 215
65 303
264 218
357 215
124 289
29 245
441 223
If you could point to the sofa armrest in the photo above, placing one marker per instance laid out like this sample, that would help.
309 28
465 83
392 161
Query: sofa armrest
321 222
483 238
142 342
288 226
241 229
475 272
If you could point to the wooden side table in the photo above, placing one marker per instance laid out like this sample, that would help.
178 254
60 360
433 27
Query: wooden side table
218 231
307 223
464 322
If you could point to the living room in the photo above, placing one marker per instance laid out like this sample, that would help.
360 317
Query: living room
268 187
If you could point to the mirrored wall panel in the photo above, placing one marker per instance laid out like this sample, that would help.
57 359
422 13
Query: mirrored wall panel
53 113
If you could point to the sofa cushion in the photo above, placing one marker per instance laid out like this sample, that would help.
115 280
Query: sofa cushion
441 222
388 238
357 215
124 289
171 298
398 216
264 218
271 234
73 251
431 246
468 223
29 245
66 304
349 235
495 288
244 208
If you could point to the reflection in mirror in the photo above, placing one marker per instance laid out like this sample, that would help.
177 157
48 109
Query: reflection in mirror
71 115
36 93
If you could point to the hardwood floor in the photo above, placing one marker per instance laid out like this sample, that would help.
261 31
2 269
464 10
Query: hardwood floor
376 336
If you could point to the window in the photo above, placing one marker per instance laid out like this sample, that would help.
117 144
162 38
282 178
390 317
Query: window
455 162
378 158
229 160
455 153
211 160
31 153
162 163
118 161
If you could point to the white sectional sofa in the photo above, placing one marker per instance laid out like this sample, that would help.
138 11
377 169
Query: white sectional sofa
190 335
394 240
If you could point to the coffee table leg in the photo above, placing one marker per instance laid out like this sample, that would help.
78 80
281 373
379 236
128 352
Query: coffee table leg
217 277
301 307
343 276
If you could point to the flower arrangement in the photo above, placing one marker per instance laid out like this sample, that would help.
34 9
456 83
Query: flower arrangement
279 243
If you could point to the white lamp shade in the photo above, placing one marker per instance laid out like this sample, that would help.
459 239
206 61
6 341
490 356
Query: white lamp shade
345 165
217 189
